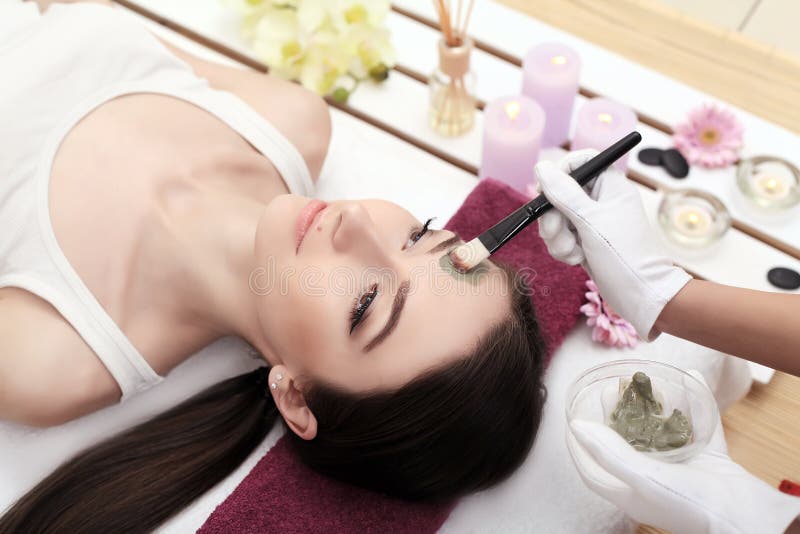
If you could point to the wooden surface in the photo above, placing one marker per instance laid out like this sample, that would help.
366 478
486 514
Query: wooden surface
763 429
721 62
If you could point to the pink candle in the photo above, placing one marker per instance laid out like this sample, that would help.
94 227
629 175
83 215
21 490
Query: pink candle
512 134
550 77
602 122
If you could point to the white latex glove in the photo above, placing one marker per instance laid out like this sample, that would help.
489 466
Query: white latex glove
708 493
608 231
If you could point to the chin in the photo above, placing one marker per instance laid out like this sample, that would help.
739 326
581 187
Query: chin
275 229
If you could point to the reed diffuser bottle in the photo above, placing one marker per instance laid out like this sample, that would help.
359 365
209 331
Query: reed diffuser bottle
452 84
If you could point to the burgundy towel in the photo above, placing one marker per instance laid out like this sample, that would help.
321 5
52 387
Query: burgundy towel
282 495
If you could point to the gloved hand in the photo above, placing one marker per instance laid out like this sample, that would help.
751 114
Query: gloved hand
709 493
608 231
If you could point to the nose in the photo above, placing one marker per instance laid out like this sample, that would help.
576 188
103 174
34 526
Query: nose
357 236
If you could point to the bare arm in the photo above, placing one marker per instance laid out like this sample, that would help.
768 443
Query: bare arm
756 325
299 114
48 374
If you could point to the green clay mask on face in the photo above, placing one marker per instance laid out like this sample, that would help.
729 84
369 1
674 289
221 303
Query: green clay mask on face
473 276
637 418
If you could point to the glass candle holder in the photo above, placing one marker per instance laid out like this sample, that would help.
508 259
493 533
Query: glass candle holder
452 88
693 218
768 182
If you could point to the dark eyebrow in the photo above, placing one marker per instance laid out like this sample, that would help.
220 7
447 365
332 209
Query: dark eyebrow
402 293
444 245
394 316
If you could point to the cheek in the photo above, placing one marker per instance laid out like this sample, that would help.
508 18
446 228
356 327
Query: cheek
303 320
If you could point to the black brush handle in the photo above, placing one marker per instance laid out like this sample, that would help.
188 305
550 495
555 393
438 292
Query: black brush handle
499 234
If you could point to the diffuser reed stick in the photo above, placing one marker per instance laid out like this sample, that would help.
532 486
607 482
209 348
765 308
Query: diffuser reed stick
452 110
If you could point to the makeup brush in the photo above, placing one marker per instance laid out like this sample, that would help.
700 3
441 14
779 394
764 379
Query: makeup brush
468 256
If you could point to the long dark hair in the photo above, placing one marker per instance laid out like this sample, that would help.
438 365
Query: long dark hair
456 429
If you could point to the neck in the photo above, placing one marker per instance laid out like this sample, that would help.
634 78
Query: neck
211 258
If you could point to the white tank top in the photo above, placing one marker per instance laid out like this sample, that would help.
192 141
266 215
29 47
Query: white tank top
56 68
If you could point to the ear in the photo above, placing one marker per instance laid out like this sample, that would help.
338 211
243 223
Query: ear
292 403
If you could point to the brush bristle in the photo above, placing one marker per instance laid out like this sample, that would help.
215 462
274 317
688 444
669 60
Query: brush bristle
467 256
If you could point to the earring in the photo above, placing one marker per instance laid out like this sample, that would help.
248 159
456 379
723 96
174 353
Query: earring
279 376
274 385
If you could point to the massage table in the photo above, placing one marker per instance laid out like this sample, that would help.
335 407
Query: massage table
381 148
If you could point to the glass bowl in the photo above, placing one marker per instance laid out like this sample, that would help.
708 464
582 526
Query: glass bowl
693 218
769 182
595 393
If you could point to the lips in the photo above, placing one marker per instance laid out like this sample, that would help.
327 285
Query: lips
306 218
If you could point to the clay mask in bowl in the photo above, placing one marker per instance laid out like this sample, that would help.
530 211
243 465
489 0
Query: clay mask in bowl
659 409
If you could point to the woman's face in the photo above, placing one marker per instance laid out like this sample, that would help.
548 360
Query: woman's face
352 292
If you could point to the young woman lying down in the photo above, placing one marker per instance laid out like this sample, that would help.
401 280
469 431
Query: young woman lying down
151 203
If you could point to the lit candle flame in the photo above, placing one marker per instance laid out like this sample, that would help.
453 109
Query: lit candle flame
512 109
605 118
693 219
771 185
558 60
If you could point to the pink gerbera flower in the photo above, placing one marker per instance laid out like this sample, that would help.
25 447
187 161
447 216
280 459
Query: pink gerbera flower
609 328
711 136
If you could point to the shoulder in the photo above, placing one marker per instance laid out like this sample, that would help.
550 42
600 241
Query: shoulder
299 114
48 375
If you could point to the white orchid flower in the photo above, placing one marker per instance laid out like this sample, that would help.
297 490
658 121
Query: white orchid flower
371 52
278 41
314 15
326 44
324 63
348 13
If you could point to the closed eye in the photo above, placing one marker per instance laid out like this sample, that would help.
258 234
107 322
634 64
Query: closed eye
361 305
417 233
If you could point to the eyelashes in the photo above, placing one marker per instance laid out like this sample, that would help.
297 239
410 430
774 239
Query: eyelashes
362 303
416 235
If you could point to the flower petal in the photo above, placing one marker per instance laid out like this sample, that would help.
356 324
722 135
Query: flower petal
698 150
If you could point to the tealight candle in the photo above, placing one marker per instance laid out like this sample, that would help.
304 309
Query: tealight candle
602 122
770 183
512 134
693 221
772 187
693 218
550 76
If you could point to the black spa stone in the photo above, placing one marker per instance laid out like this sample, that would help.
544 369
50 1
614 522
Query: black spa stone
675 164
784 278
650 156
